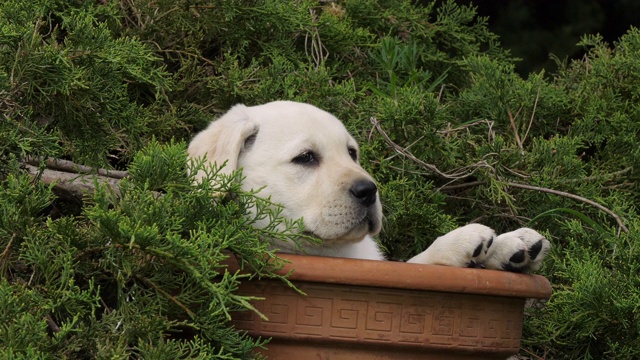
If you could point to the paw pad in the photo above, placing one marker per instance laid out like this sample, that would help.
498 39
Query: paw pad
535 249
518 257
478 250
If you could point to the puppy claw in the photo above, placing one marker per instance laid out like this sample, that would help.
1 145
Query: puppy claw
475 265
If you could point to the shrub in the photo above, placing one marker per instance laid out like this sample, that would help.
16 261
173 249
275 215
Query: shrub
450 131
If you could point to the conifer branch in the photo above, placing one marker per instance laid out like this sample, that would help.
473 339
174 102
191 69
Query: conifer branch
167 295
468 170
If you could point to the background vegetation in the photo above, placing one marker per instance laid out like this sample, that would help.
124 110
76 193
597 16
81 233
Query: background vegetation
451 131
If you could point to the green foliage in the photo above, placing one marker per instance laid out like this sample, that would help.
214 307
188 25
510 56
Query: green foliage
450 131
593 313
135 271
67 71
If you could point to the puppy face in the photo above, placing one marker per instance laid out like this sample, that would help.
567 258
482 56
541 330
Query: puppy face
305 159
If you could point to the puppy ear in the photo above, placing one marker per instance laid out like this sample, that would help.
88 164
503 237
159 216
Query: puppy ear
224 140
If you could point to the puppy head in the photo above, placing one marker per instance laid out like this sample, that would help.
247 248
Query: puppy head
304 159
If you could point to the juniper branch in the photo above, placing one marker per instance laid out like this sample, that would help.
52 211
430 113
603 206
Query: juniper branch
167 295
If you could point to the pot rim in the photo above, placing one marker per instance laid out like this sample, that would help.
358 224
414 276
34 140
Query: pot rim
400 275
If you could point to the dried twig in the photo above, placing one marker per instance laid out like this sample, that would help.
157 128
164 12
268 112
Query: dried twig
453 187
530 355
533 114
449 130
442 87
74 181
319 52
406 148
135 12
52 324
72 185
458 174
199 57
6 249
604 177
574 197
70 166
512 121
549 191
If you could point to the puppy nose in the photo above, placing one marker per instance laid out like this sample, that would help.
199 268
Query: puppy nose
364 191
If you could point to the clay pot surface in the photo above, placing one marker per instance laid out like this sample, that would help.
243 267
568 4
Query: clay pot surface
362 309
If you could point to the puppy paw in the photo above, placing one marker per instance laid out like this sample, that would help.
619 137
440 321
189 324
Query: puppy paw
507 253
537 247
522 250
466 246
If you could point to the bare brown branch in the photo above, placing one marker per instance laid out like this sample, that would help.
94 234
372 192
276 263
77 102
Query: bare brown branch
533 114
549 191
6 249
460 173
512 121
52 324
574 197
71 185
450 130
70 166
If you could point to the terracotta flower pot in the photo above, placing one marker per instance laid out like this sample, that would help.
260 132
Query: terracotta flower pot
361 309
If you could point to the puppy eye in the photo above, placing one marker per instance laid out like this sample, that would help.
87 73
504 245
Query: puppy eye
353 153
306 158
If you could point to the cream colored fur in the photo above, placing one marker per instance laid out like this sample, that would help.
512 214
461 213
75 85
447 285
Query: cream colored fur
271 144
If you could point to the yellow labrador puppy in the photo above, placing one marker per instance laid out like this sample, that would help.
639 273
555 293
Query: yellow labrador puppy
304 158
